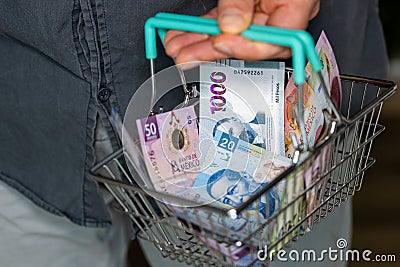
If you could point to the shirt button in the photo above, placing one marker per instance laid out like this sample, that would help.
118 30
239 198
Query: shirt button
104 94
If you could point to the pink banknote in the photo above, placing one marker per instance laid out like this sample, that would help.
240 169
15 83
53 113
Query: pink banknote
314 99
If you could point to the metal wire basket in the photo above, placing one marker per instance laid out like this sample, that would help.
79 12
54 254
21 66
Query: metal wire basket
322 176
337 165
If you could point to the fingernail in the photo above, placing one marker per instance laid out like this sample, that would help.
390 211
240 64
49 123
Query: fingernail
231 21
223 48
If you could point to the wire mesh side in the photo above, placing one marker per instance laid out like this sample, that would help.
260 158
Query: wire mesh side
332 174
179 239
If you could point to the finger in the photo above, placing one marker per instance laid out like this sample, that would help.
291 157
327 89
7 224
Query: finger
260 18
235 16
291 14
315 9
212 14
200 51
237 46
177 41
171 34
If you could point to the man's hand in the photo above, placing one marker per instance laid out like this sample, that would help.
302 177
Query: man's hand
235 16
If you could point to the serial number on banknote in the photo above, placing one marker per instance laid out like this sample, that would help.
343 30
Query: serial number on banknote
248 72
153 160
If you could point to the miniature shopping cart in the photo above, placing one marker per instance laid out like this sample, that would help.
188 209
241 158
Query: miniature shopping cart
337 162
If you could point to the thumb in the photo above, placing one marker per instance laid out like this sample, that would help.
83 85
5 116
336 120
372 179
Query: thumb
235 16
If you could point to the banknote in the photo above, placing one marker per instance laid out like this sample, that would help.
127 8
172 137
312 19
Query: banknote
238 170
244 99
294 203
169 143
315 102
314 99
232 251
239 256
316 177
304 191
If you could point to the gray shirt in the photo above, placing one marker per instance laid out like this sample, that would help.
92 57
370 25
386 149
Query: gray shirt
64 62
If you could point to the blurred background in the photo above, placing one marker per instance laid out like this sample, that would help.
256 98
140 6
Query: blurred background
377 205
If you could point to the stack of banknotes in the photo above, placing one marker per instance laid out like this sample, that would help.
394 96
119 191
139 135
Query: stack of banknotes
240 141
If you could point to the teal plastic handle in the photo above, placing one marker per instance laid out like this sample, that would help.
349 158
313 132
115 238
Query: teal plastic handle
209 26
303 36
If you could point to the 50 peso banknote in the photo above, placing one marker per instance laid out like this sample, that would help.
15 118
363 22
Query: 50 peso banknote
169 143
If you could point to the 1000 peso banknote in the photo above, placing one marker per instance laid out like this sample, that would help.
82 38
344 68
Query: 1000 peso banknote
245 100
